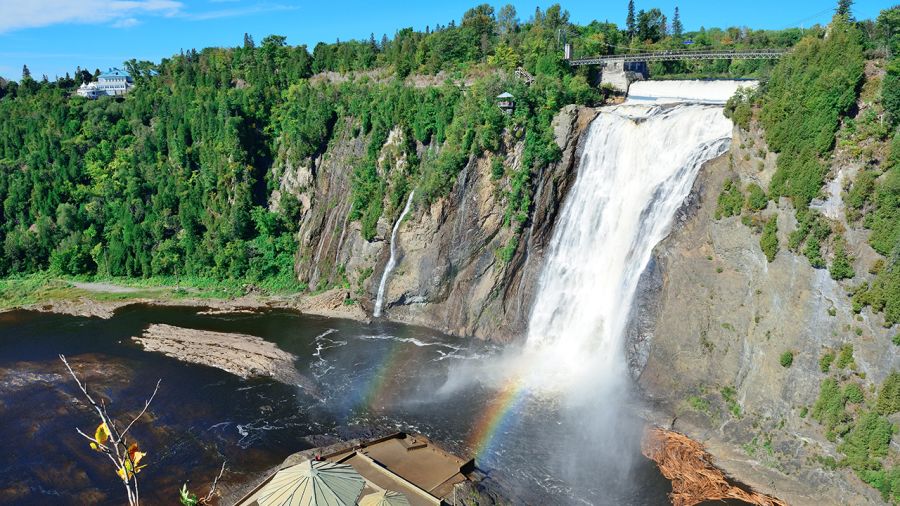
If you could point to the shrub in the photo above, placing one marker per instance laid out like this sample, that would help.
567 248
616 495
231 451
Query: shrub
825 361
845 358
698 404
738 108
756 198
883 294
841 267
890 90
769 239
867 442
888 401
729 395
829 409
853 393
813 252
786 359
497 168
731 200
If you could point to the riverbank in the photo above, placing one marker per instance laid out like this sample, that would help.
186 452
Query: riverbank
101 299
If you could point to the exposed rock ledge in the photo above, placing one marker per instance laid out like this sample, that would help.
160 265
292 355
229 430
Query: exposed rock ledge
330 303
239 354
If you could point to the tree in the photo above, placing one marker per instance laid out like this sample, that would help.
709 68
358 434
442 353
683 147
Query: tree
507 21
248 41
274 41
651 25
887 28
677 27
630 20
843 8
26 74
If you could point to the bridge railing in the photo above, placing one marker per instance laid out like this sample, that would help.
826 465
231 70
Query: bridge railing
750 54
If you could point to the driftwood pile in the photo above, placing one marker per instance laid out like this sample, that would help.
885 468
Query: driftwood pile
690 469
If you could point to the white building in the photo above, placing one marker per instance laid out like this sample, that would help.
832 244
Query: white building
113 82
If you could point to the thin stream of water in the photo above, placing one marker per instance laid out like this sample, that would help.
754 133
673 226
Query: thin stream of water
392 262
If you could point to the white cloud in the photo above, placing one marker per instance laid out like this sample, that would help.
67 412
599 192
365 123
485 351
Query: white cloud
23 14
18 14
239 11
126 23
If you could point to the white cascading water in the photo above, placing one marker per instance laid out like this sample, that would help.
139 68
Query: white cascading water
639 162
392 261
572 436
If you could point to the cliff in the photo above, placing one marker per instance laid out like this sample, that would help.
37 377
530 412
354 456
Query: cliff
449 273
710 324
713 319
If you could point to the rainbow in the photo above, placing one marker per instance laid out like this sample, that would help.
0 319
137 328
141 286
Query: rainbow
377 392
497 415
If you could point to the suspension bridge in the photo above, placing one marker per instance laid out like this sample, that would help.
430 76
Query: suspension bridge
619 70
652 56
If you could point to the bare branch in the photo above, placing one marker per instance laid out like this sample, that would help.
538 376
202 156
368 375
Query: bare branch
120 457
146 405
215 484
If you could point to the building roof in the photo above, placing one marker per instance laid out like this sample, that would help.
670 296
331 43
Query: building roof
409 464
505 94
114 72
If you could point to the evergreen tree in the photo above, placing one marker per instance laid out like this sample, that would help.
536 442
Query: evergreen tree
843 8
26 74
248 41
630 19
677 27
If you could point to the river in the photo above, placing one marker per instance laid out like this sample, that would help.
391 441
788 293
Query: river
550 420
370 379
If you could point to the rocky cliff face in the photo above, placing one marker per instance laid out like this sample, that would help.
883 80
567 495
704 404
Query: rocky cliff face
712 320
449 275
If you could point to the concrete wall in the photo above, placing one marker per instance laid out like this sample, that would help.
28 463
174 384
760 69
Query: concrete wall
620 74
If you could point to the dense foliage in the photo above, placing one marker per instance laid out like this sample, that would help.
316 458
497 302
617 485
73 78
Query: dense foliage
177 178
809 90
860 424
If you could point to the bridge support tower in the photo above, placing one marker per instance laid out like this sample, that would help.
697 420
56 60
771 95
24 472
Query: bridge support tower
619 73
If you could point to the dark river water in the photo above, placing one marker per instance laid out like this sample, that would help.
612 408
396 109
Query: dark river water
361 380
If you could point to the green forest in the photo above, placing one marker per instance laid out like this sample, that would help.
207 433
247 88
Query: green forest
176 178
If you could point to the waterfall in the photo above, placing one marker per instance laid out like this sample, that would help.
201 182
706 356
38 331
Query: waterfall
638 165
392 262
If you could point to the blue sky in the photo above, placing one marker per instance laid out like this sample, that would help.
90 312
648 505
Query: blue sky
54 36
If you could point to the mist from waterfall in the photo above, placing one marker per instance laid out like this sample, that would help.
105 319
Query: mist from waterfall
638 164
392 261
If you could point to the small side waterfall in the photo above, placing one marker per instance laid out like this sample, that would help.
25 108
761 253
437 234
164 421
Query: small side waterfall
392 262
